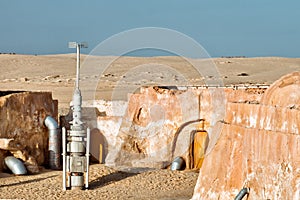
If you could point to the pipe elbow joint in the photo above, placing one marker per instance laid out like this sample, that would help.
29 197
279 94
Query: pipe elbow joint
54 142
50 123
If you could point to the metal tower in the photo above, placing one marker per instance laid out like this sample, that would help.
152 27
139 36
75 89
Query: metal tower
76 141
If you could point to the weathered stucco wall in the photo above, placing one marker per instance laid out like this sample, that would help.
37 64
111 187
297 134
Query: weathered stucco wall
258 148
156 124
253 135
22 117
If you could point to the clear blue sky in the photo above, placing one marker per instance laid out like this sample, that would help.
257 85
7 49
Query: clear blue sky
222 27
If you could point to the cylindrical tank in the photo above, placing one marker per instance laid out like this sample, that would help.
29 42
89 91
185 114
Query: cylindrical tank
15 165
77 182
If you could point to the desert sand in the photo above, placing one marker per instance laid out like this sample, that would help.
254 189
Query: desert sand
105 183
56 73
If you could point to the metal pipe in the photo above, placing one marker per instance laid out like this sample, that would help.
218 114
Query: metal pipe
64 157
54 142
242 193
77 65
87 157
177 164
15 165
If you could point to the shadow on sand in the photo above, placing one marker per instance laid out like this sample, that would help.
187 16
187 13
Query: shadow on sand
28 181
110 178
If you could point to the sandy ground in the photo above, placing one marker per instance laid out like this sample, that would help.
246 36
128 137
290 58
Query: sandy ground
105 183
56 73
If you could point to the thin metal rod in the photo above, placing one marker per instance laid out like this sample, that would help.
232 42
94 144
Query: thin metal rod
64 157
88 139
77 65
199 106
68 172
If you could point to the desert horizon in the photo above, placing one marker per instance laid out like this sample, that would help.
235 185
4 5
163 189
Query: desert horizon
56 73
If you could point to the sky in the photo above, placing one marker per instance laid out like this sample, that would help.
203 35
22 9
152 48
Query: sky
248 28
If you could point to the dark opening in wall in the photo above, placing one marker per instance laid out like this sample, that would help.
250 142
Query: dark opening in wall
4 93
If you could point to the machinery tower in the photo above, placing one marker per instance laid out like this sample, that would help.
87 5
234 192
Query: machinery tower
76 141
